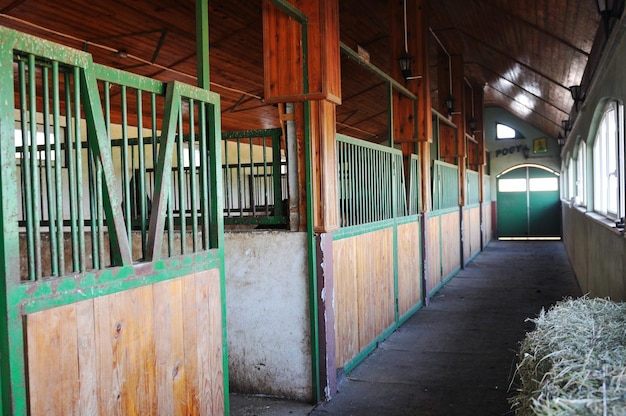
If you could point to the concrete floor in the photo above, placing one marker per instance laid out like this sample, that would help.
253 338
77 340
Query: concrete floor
456 356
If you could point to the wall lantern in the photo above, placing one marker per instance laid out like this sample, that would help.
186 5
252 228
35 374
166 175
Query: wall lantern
606 8
566 126
472 125
526 151
578 94
450 105
405 61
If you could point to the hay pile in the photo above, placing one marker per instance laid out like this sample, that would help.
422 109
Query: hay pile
574 362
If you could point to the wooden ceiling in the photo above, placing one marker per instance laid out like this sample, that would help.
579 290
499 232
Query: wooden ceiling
523 53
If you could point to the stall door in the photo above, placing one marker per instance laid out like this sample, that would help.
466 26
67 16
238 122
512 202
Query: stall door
529 204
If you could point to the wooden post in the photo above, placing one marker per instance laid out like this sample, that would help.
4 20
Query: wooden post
458 118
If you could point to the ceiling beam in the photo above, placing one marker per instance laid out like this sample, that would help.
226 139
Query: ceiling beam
501 10
524 105
483 66
506 55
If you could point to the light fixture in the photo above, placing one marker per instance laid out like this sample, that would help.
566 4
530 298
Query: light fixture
472 124
560 139
121 54
566 126
405 61
606 8
450 105
526 151
578 94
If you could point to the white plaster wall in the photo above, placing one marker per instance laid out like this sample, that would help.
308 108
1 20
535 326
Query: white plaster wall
500 162
267 305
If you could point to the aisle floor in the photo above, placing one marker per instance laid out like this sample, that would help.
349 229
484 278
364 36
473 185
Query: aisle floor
457 355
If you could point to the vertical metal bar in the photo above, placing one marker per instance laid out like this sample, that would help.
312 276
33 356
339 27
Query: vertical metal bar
181 182
69 153
101 212
239 178
192 174
170 222
58 182
107 124
26 177
276 171
93 208
202 43
79 172
143 207
13 399
352 176
204 177
125 174
228 180
153 115
52 229
34 171
251 191
264 181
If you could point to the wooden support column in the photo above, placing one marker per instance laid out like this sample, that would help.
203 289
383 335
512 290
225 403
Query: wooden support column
302 61
458 118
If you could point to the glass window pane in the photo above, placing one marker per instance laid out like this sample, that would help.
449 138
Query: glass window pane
512 185
543 184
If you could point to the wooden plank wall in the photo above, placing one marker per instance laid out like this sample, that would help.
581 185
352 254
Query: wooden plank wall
487 222
156 349
364 291
471 232
451 243
589 244
409 269
433 253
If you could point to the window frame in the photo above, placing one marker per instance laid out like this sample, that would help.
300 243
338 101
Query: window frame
608 162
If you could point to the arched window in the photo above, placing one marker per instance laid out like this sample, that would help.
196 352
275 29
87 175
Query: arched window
608 163
505 132
581 174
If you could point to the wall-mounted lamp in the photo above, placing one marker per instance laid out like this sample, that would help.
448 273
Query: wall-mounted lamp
566 126
526 151
405 64
606 8
578 94
121 54
560 139
450 105
472 125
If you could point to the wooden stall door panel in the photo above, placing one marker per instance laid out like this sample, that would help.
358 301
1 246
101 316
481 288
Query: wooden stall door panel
168 333
433 251
87 359
451 244
346 305
125 348
153 350
210 357
52 361
409 272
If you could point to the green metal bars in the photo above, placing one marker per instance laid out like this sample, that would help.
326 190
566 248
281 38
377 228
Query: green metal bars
77 212
445 185
472 188
61 191
254 169
371 182
414 185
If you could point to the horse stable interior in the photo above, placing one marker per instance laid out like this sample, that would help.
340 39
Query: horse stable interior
199 198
